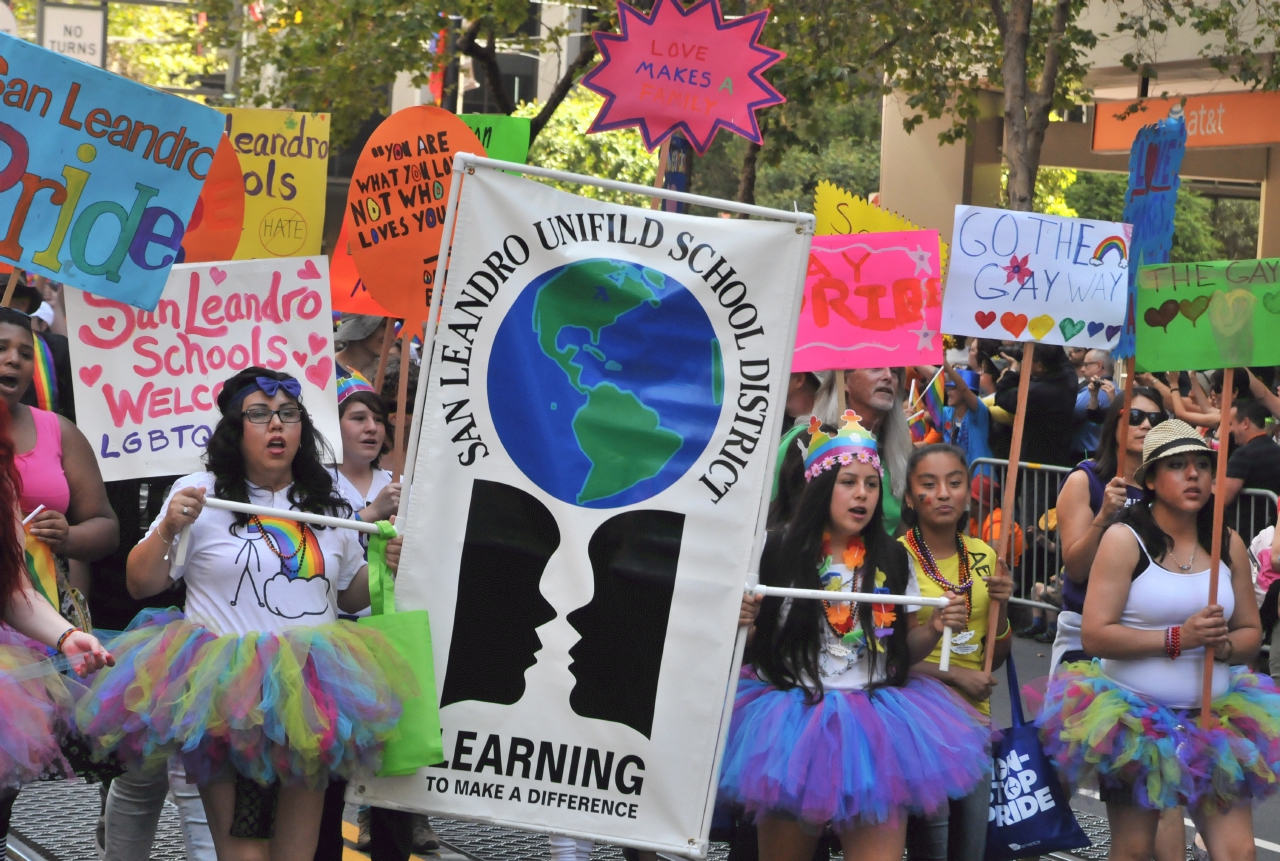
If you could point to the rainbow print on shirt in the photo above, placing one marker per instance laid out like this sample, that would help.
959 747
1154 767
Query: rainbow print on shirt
289 536
42 568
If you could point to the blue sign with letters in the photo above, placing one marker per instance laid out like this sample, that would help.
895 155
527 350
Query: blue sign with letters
98 174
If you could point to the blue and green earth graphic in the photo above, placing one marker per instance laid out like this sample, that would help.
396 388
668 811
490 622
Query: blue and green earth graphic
605 382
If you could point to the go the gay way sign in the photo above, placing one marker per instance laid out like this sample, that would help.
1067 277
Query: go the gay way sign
1032 277
101 174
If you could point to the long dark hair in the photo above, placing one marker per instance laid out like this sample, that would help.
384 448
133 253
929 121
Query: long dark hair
1106 460
909 515
312 488
786 653
1156 540
13 569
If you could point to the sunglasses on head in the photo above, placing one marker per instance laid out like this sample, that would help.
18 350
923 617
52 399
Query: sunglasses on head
1136 416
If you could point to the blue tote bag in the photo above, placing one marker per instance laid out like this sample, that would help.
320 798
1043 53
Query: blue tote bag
1030 812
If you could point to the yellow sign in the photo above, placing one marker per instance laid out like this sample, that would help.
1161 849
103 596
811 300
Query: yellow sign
285 159
840 212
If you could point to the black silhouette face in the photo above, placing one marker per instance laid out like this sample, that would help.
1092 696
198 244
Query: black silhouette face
617 661
510 537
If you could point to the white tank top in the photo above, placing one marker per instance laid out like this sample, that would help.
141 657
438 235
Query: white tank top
1159 599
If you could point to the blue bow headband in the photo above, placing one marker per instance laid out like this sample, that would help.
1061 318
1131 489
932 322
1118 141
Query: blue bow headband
268 387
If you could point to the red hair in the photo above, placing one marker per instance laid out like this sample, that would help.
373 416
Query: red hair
13 570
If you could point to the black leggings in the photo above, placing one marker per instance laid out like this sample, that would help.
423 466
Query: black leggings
391 830
7 798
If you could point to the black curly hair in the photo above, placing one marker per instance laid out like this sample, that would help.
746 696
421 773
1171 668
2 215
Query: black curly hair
312 488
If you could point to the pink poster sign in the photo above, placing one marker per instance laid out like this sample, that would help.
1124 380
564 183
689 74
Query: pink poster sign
871 300
683 69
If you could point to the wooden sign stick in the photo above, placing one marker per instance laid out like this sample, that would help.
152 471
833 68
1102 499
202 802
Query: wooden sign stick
1219 513
388 337
1123 442
11 286
1005 541
402 393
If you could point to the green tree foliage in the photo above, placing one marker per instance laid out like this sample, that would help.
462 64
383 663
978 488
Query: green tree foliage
1101 196
158 45
565 145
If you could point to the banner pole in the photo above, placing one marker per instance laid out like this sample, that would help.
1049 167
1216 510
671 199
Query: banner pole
1123 442
429 337
402 395
1005 541
1219 514
388 337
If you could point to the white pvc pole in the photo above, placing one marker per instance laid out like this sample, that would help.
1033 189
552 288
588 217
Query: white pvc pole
184 539
944 662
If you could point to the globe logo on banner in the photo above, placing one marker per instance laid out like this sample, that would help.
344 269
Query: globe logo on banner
605 382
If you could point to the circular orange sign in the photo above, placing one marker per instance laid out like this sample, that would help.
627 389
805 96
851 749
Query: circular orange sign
396 205
214 230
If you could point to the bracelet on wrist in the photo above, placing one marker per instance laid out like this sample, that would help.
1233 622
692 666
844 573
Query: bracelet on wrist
1008 631
1231 650
63 639
1173 642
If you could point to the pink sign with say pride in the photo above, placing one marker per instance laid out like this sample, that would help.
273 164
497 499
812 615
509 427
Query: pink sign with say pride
871 300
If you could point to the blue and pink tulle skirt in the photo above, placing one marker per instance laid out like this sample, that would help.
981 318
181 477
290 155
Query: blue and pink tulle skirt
36 714
1161 757
296 706
854 757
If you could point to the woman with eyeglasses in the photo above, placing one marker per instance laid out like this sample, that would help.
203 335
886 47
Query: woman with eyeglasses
260 687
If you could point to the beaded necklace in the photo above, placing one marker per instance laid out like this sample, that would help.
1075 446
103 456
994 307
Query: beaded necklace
842 616
915 540
301 552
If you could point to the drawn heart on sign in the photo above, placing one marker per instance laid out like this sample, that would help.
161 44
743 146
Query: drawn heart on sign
1160 318
316 342
218 275
89 376
1231 312
1041 326
321 373
1192 309
1013 323
108 323
1112 331
1070 328
309 272
301 358
1271 301
1095 328
985 318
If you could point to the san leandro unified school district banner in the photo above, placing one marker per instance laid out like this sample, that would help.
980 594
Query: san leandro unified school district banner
100 174
147 382
604 398
1032 277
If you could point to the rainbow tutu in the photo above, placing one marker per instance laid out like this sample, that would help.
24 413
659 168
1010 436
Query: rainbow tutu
36 714
1096 730
295 706
853 757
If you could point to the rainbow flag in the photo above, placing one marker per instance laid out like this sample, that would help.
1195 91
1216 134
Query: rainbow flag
42 568
934 398
919 426
45 381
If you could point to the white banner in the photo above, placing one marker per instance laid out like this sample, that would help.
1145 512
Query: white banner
606 392
147 382
1031 277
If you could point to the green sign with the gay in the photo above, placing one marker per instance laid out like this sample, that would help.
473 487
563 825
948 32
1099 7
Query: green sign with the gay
1204 316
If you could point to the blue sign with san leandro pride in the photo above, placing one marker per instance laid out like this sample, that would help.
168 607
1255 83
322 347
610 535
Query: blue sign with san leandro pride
100 175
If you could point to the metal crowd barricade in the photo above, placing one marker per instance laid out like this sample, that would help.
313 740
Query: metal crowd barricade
1037 554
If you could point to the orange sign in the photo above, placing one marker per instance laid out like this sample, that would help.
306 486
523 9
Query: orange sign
216 221
1225 119
347 291
396 205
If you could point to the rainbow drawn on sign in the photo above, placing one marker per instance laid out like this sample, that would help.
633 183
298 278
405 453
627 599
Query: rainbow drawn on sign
289 537
1115 243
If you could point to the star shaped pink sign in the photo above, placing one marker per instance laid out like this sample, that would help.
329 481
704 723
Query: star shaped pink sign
683 69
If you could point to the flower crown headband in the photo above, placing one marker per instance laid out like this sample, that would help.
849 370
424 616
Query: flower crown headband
851 443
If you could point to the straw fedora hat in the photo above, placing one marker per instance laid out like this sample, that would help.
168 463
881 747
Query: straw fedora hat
1167 439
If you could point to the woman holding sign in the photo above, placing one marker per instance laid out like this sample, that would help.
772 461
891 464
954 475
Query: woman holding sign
262 689
827 727
1131 720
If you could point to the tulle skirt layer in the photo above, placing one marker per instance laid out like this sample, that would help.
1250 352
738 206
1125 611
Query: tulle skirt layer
36 714
853 757
295 706
1096 730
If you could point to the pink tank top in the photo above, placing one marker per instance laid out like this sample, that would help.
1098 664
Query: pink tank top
43 481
